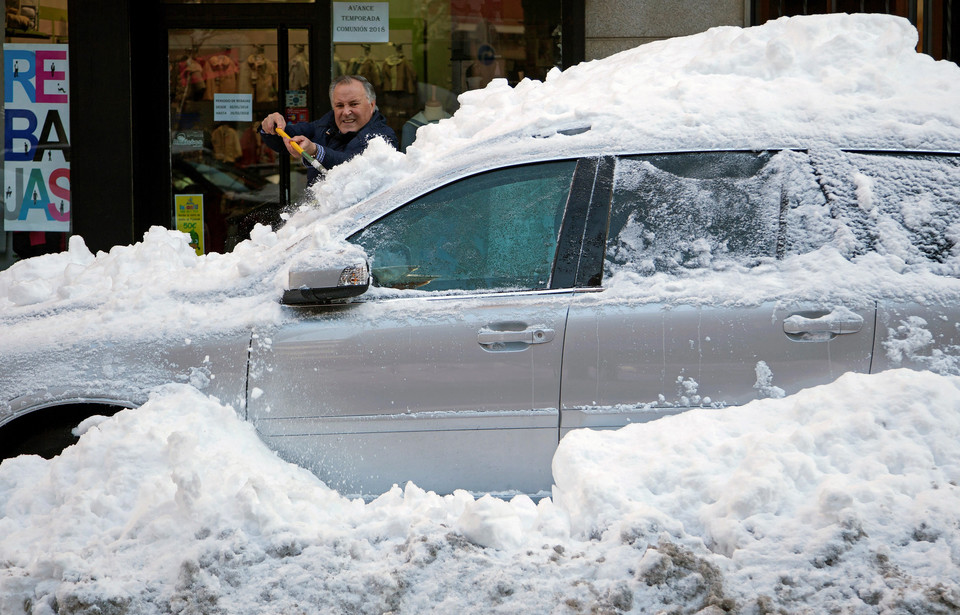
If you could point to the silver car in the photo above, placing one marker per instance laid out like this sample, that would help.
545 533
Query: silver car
488 312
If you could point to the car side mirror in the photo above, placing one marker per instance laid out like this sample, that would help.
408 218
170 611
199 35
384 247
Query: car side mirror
314 286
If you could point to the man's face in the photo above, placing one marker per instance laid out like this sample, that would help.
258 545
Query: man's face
351 109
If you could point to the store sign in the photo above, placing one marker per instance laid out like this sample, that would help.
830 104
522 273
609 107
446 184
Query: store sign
189 215
232 107
296 109
36 177
361 22
187 141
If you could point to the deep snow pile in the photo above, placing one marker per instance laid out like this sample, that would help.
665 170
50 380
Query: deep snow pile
842 498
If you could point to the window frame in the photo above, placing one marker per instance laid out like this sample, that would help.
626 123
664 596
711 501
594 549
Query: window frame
567 255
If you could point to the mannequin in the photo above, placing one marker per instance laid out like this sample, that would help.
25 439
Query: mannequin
399 99
263 75
226 143
299 69
192 85
432 113
398 72
254 151
339 66
221 74
368 68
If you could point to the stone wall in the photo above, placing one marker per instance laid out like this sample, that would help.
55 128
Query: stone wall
614 25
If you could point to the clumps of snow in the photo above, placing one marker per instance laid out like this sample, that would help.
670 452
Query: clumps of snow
910 342
864 191
348 184
841 498
36 280
831 483
907 339
764 383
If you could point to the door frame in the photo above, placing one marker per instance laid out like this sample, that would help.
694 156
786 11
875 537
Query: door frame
155 170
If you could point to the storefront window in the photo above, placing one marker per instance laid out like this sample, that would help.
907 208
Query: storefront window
223 82
432 51
36 154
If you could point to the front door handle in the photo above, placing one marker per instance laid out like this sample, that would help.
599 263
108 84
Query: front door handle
511 339
840 321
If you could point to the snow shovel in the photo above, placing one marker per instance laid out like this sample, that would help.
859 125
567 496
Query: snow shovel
313 161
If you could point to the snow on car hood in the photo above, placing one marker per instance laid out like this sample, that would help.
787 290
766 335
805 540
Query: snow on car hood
854 80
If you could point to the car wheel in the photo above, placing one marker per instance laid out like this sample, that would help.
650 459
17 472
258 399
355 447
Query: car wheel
47 432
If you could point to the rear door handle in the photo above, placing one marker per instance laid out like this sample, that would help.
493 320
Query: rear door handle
532 335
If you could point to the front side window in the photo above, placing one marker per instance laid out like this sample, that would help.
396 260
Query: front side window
672 212
494 231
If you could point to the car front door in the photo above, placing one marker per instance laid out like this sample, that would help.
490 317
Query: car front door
678 320
448 373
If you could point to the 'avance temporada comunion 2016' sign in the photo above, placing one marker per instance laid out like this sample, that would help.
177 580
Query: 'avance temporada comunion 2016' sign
361 22
36 176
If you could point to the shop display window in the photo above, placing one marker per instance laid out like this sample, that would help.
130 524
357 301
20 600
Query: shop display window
437 50
36 157
223 82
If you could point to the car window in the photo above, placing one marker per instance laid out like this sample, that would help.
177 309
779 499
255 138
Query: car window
497 230
810 221
913 201
693 210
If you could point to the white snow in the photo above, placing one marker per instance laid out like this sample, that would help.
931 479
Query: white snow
842 498
839 499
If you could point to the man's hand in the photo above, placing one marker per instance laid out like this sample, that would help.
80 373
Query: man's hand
272 122
306 144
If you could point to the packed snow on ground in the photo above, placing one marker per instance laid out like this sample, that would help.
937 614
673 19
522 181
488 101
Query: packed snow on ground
840 499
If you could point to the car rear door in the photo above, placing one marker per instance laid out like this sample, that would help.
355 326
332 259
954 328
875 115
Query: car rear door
448 373
908 207
678 320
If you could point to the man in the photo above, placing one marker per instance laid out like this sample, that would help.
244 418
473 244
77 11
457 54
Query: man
339 135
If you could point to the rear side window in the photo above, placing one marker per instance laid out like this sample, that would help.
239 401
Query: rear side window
912 202
494 231
685 211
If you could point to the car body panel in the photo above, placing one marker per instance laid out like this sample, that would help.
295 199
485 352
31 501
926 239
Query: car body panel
450 390
632 363
917 336
123 372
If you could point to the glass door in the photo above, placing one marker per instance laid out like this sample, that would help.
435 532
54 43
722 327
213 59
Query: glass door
223 82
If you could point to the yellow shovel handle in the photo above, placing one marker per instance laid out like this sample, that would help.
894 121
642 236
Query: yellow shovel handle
294 144
313 161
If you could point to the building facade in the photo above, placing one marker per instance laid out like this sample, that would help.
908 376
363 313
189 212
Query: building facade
120 115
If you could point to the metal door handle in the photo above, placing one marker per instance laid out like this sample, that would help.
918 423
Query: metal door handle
831 324
533 335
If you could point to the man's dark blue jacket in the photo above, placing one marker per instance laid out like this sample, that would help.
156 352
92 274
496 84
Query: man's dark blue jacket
338 147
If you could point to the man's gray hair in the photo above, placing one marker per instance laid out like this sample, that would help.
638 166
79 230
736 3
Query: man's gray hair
367 86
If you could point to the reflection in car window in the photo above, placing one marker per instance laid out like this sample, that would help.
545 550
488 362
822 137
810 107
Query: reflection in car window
693 210
492 231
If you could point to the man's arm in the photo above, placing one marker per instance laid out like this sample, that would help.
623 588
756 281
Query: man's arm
330 158
274 141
